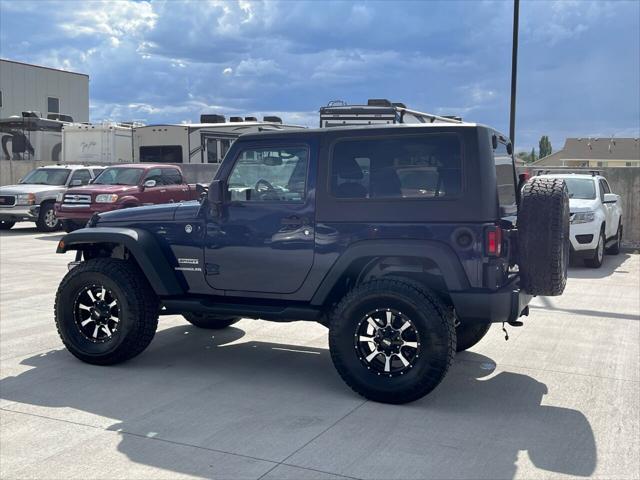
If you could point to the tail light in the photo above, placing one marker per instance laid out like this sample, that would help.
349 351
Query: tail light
493 241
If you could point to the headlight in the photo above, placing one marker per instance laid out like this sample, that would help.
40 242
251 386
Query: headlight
583 217
25 199
107 198
59 197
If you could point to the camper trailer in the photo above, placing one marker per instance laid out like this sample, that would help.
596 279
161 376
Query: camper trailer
376 111
103 143
204 142
30 137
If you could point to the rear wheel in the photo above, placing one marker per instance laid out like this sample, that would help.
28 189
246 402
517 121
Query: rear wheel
106 312
47 220
212 322
6 224
598 254
470 333
392 341
543 236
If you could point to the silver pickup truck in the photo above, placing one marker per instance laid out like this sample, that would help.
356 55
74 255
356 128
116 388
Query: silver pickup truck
33 197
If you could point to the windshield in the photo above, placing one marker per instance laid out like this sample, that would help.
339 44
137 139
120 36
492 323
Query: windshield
47 176
119 176
581 188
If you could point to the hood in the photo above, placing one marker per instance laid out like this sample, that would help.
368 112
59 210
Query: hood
581 205
128 216
98 189
29 188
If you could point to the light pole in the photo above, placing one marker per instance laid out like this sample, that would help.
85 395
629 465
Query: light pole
514 73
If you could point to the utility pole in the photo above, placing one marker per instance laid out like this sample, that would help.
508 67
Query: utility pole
514 73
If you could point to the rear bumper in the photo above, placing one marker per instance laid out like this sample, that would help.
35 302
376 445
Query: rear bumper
504 305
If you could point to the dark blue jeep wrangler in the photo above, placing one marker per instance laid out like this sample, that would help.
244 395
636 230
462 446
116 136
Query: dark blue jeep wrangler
406 241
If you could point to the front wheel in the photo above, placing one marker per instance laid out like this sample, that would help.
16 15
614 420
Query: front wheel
47 220
392 341
615 248
6 224
105 311
469 334
211 322
598 254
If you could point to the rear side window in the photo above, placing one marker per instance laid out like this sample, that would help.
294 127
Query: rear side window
161 154
427 166
505 180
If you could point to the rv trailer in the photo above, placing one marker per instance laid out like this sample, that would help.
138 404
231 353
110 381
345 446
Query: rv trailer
376 111
103 143
30 137
204 142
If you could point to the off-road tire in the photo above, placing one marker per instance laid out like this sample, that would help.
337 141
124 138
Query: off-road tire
470 333
6 224
70 226
208 321
435 329
138 311
42 222
615 248
597 258
543 236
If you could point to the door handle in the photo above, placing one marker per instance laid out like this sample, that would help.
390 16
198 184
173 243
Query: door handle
294 221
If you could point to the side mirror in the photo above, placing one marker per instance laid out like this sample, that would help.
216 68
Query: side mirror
216 193
610 198
149 184
510 148
76 183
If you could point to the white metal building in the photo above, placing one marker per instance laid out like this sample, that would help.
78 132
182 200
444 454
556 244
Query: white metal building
51 92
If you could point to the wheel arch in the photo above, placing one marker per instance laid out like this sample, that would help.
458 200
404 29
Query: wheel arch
429 262
140 245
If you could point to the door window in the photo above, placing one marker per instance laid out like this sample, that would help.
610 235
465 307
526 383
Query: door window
83 175
155 174
275 174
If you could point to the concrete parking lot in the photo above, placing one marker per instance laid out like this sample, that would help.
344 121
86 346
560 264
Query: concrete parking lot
560 398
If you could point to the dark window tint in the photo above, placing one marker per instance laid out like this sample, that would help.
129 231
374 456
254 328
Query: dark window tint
171 176
505 180
161 154
605 186
82 175
212 150
119 176
53 105
154 174
276 174
410 167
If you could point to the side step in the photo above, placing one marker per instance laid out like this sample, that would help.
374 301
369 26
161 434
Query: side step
281 313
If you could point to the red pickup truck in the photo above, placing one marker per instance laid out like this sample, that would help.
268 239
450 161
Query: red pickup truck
124 186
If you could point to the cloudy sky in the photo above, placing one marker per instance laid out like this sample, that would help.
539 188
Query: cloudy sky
169 61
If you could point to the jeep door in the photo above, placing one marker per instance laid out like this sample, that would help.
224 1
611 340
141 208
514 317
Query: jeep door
263 239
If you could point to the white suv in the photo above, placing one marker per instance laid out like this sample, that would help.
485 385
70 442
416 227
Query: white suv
596 217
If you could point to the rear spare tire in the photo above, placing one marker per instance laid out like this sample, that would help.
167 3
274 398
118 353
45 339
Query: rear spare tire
543 236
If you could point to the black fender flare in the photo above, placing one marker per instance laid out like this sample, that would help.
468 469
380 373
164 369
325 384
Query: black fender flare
140 243
438 252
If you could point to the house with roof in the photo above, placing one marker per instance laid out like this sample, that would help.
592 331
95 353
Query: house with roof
594 152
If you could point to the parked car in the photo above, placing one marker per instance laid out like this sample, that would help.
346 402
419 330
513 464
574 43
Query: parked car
325 225
596 217
124 186
33 198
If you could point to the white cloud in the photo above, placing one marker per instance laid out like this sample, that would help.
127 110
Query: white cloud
227 71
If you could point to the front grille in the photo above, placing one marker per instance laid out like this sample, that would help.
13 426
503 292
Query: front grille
76 199
584 238
7 200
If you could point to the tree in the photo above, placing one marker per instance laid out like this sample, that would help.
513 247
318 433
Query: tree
545 146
